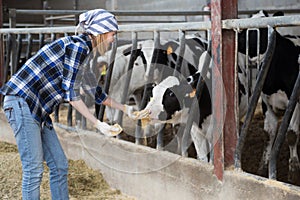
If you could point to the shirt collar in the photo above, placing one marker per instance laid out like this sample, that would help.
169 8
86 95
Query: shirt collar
87 39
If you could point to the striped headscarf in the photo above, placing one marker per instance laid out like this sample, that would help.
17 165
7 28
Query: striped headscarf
97 21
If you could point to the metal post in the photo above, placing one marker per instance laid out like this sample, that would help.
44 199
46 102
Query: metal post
19 51
12 24
225 126
8 50
229 77
181 53
256 94
108 75
12 18
217 87
283 128
41 40
29 46
128 77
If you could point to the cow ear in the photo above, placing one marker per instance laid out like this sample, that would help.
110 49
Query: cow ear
278 13
192 69
104 70
265 13
127 51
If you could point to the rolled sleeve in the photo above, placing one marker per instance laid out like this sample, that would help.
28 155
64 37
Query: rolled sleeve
102 98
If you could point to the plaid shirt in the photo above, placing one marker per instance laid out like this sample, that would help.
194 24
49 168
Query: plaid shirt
50 76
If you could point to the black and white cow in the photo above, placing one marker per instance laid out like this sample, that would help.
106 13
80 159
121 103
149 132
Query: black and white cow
278 85
164 63
172 100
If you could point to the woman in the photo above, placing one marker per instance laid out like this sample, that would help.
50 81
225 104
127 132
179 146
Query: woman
50 77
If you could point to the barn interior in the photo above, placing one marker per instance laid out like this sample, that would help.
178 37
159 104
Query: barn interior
142 14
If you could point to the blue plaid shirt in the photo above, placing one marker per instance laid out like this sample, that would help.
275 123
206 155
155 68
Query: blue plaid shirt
50 76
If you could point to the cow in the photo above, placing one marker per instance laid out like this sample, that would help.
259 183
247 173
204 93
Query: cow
172 99
164 63
278 86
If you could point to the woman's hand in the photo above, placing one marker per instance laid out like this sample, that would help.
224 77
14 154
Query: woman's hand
107 129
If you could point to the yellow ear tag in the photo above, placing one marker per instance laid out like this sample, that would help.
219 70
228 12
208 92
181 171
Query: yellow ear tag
192 94
169 50
103 73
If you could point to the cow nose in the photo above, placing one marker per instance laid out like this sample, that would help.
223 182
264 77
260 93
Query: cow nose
162 116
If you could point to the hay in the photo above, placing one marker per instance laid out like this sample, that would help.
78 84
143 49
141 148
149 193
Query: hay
84 182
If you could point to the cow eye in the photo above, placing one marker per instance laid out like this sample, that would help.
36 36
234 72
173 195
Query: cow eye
189 79
171 94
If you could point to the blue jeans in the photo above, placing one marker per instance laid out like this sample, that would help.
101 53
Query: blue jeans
36 143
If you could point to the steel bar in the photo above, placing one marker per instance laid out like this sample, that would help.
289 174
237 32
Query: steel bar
143 13
261 22
218 93
180 55
128 75
283 129
256 94
29 46
108 75
19 50
230 125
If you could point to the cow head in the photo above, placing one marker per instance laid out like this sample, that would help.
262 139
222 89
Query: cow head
169 97
255 37
160 58
165 58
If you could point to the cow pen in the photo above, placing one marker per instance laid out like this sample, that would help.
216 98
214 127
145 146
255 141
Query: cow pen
151 173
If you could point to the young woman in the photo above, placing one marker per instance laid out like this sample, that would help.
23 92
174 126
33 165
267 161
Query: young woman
50 77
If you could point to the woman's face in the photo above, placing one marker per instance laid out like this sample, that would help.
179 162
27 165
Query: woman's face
110 37
103 41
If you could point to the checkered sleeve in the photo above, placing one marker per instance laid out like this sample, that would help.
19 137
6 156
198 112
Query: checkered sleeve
90 87
74 57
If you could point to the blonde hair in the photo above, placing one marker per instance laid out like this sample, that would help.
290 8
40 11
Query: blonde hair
99 43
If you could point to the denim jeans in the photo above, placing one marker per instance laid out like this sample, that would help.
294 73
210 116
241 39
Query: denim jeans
36 143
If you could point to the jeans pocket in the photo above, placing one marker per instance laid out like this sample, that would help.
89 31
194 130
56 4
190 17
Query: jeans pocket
11 118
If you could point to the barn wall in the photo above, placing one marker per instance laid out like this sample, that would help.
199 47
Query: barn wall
268 4
81 5
20 4
157 5
174 5
196 5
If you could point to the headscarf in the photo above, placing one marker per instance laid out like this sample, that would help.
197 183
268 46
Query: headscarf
97 21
